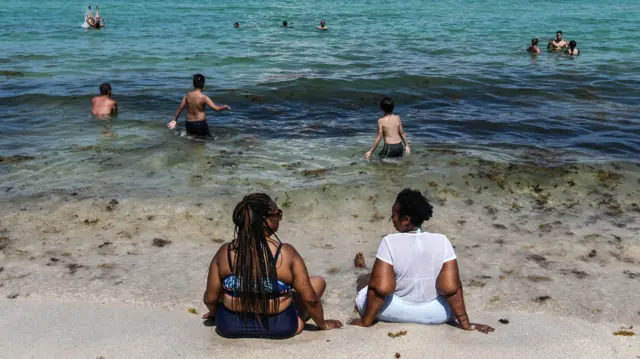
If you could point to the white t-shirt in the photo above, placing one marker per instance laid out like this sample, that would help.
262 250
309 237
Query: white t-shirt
417 259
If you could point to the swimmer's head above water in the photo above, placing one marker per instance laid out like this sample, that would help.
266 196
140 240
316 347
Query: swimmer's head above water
559 35
387 105
284 24
236 25
534 41
572 44
323 23
198 81
105 89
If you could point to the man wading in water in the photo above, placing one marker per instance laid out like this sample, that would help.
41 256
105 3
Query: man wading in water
195 102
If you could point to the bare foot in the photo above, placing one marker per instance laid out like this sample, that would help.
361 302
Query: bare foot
359 261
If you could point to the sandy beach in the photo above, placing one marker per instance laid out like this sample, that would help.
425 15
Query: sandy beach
108 225
551 249
68 329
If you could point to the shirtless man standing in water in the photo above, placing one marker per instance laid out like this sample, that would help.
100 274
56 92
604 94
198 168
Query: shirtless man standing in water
104 105
389 127
195 102
558 43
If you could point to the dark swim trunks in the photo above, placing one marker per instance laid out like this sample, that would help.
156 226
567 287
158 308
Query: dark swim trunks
198 128
232 325
392 151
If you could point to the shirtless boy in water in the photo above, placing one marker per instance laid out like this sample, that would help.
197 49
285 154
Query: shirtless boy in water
389 127
195 102
104 105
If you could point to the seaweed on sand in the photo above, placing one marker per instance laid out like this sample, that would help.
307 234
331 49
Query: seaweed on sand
398 334
624 333
608 175
315 173
542 298
15 159
159 242
538 278
376 217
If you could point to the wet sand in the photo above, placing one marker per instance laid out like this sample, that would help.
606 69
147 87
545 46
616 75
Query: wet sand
530 236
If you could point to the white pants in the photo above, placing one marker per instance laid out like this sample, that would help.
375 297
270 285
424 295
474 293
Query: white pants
398 310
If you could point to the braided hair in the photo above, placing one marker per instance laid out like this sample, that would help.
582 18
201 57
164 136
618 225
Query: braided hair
254 265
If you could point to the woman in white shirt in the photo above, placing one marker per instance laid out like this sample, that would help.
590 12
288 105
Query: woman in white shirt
415 276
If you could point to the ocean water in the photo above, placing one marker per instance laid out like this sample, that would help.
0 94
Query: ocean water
304 99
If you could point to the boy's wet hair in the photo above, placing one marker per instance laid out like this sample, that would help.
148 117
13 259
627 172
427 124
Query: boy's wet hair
559 32
387 105
572 44
534 41
198 81
105 88
413 204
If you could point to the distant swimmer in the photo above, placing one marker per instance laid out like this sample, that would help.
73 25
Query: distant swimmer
558 43
323 25
88 16
195 102
236 25
96 22
573 51
104 105
389 128
285 24
534 49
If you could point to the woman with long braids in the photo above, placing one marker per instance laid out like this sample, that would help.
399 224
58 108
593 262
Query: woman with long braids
257 285
415 276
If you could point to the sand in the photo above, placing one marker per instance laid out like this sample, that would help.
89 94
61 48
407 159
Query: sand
67 329
95 272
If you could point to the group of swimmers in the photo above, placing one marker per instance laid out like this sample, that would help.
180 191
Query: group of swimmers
94 22
389 125
555 45
323 25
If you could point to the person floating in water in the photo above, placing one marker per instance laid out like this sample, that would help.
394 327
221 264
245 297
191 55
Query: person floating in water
573 51
88 16
96 22
195 102
558 43
534 49
389 128
323 25
236 25
285 24
104 105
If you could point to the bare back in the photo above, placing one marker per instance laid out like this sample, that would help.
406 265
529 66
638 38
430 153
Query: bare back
196 102
390 125
103 106
284 270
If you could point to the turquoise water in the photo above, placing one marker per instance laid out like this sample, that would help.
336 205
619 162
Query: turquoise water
456 69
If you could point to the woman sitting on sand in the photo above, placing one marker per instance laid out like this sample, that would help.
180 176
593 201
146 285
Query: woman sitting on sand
415 276
258 286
